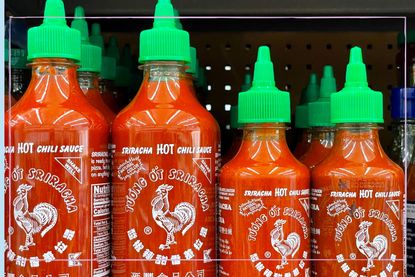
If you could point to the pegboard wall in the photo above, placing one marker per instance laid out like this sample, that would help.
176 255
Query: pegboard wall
227 56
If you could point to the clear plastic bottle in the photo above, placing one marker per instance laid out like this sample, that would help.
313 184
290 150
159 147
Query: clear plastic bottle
166 148
57 197
322 129
357 191
264 189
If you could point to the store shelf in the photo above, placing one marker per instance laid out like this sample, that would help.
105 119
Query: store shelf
233 7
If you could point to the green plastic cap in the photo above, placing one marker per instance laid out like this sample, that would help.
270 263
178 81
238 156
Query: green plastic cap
309 94
91 55
165 41
96 37
194 63
108 68
234 118
319 111
247 82
356 102
410 37
54 39
109 64
264 102
113 50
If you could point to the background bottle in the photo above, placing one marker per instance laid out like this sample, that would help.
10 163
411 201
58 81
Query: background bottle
57 186
264 190
122 75
404 156
309 94
90 67
322 129
357 191
108 69
164 165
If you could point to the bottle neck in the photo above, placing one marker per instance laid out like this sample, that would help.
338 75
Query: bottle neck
357 142
54 81
106 85
264 142
323 136
166 82
88 80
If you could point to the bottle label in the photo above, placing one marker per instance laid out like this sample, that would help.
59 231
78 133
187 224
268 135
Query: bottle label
357 228
57 208
164 209
263 231
410 238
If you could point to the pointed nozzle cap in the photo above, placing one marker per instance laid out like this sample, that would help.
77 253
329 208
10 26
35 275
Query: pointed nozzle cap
319 111
113 50
356 70
328 82
356 102
54 13
194 63
165 41
79 23
96 37
313 89
53 38
247 82
91 55
263 102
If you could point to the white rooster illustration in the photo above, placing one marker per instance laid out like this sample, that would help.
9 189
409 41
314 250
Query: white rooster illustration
371 250
42 219
287 247
181 219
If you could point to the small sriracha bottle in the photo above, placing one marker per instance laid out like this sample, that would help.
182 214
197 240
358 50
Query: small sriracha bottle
264 189
357 198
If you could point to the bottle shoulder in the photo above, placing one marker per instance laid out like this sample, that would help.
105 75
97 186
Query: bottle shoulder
166 116
284 168
381 167
50 116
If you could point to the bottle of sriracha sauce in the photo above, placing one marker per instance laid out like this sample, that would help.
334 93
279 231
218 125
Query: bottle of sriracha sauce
166 146
358 193
57 177
264 190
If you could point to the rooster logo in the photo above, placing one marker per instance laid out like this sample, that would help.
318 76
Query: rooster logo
42 219
286 247
371 250
181 219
